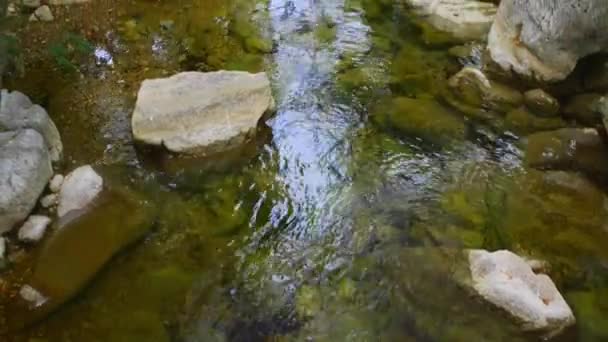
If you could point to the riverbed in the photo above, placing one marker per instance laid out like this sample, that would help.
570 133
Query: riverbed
339 223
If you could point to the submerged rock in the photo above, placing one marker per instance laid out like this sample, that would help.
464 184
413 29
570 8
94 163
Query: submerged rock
195 112
522 121
465 19
507 281
545 39
472 88
425 119
584 108
33 229
541 103
73 254
25 169
79 189
569 149
17 112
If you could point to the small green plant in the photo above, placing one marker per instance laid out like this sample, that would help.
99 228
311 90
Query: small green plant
70 51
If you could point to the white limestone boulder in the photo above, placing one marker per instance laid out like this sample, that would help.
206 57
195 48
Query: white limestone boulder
194 112
508 281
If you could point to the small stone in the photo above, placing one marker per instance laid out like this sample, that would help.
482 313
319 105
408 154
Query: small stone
31 3
11 10
541 103
79 189
55 183
49 201
32 296
33 229
43 13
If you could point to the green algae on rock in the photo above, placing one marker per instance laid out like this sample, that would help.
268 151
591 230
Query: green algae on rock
423 118
78 250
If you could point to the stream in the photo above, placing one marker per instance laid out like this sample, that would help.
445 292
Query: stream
338 223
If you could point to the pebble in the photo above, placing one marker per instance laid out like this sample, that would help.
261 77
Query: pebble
42 13
49 201
33 229
55 183
32 295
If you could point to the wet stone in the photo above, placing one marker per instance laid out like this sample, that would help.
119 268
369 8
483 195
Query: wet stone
541 103
522 121
569 149
584 108
471 87
423 118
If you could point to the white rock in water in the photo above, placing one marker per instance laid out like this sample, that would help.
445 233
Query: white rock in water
33 229
79 189
507 281
42 13
545 39
32 296
55 183
465 19
194 112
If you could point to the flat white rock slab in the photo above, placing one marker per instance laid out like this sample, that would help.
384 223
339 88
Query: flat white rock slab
194 112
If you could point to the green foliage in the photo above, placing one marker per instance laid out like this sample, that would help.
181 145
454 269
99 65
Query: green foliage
70 50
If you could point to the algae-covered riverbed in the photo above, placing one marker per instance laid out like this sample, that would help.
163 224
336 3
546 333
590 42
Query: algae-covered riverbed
339 223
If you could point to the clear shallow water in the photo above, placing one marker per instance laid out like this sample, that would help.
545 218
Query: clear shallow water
338 223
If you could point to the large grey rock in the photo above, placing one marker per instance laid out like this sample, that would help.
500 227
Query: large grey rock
507 281
544 39
196 112
465 19
17 111
25 169
79 189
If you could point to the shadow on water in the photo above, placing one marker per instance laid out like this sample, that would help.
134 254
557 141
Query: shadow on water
344 220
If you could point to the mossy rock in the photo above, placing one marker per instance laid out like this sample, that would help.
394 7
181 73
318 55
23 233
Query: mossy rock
522 121
423 118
